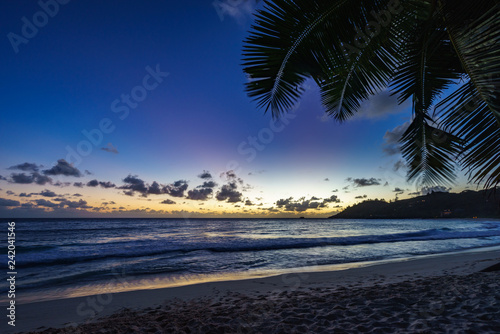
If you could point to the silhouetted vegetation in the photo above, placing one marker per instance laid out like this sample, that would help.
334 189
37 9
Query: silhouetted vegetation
467 204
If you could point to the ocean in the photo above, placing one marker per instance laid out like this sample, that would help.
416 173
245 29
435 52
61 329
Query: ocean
62 258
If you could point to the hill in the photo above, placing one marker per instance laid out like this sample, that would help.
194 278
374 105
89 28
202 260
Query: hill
467 204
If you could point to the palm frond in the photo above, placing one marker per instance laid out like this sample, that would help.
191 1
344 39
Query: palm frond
427 151
472 111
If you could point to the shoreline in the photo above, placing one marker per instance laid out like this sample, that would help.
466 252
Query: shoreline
79 310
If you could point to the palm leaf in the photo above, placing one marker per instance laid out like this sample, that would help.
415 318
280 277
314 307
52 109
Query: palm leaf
472 111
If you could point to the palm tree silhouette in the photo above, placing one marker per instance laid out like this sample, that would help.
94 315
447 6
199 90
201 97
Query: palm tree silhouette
418 49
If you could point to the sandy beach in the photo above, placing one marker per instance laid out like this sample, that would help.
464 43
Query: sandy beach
444 293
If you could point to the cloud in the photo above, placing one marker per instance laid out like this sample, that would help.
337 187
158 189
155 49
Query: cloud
260 171
47 193
239 10
200 194
363 182
230 193
331 199
95 183
380 106
176 189
45 203
77 195
361 196
205 175
399 165
167 201
107 184
8 202
24 195
35 177
61 184
110 148
326 179
208 184
230 176
92 183
435 189
391 144
9 192
249 202
134 183
398 190
2 178
335 190
81 204
26 167
299 205
63 168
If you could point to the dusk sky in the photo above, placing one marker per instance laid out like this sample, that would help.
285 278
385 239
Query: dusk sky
138 109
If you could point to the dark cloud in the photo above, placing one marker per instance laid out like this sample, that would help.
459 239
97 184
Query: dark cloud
45 203
326 179
88 173
62 184
8 202
47 193
361 196
176 189
300 205
167 201
335 190
78 184
208 184
92 183
63 168
110 148
364 182
134 184
391 144
24 195
331 199
9 192
2 178
81 204
205 175
231 176
27 167
34 177
249 202
398 190
155 189
230 193
21 178
95 183
107 184
200 194
77 195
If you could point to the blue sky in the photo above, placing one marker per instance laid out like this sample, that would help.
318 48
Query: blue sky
74 74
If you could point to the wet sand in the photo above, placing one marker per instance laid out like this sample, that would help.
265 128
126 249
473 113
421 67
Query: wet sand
444 293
